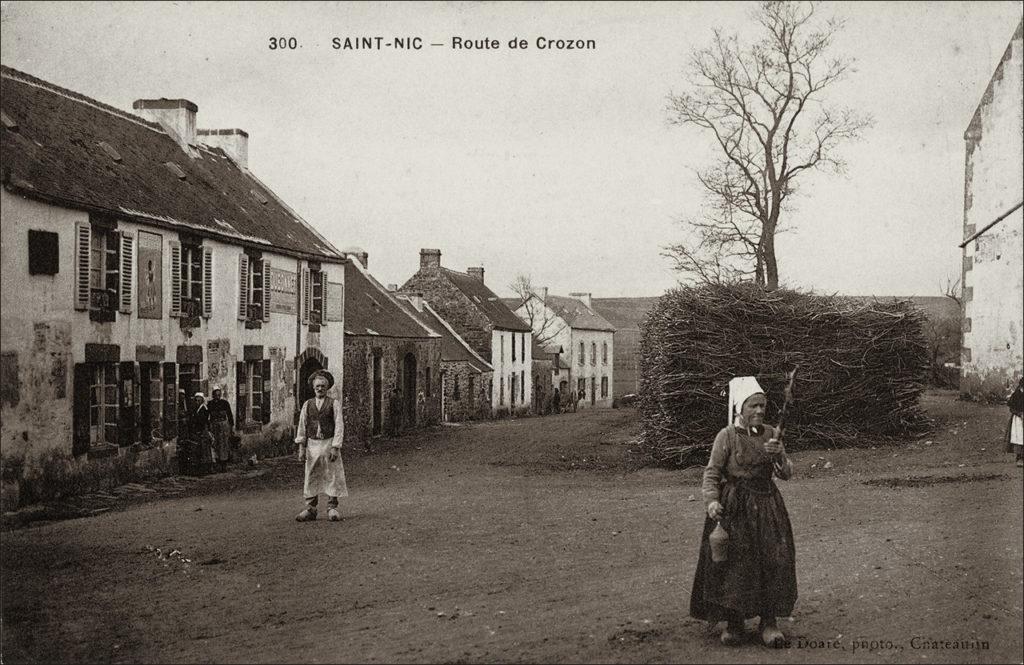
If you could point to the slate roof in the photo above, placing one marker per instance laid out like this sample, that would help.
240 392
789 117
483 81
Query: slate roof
624 313
371 310
453 347
486 301
51 152
577 315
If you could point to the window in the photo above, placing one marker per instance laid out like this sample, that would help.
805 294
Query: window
253 383
253 290
43 253
472 395
188 378
513 337
501 358
522 386
501 392
150 402
593 389
512 389
191 281
103 270
103 404
593 353
604 353
430 389
314 296
522 347
604 386
581 387
455 390
582 352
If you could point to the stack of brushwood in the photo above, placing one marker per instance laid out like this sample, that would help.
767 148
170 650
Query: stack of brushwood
862 367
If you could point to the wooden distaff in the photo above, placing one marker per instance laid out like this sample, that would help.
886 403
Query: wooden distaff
787 400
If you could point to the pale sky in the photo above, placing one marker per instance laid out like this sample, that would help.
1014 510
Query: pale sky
556 164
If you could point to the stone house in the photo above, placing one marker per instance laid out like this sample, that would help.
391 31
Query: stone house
992 358
546 374
485 322
141 257
571 323
465 376
392 362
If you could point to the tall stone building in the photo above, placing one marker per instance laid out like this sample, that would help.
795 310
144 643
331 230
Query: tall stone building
992 359
140 257
485 322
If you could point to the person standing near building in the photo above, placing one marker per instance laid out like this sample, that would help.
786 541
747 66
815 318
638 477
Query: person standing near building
319 434
1015 428
222 422
199 426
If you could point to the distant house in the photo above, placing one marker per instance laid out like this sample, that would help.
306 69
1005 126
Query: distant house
140 258
484 322
626 314
547 366
993 248
392 361
572 324
465 376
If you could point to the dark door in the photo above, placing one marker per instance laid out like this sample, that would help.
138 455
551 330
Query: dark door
409 386
378 402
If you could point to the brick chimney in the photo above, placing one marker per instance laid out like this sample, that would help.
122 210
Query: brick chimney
477 273
234 142
430 258
359 254
393 287
585 297
176 116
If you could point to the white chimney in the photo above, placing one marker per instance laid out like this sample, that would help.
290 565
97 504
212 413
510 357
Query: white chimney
417 302
176 116
234 142
585 297
359 254
392 287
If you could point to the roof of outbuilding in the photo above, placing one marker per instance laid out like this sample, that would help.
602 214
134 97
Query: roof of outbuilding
69 150
453 347
624 312
577 315
371 310
486 301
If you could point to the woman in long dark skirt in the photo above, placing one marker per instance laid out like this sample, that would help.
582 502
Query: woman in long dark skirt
758 577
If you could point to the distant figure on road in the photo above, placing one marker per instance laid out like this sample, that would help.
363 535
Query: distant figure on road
319 435
1015 428
222 421
582 398
574 400
754 573
556 402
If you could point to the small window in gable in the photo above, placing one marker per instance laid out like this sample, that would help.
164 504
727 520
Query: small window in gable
43 253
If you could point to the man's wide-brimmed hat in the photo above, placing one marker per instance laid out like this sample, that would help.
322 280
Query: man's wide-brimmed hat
322 373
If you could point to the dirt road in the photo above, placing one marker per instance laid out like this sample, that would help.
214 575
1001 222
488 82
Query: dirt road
525 541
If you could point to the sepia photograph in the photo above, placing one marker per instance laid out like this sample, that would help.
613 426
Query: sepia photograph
512 332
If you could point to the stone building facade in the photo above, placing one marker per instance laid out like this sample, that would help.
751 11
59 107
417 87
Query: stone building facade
485 323
586 337
992 359
131 272
392 362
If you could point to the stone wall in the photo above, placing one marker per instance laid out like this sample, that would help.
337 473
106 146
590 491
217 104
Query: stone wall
454 307
465 405
396 417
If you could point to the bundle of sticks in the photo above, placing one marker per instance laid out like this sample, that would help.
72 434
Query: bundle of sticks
863 367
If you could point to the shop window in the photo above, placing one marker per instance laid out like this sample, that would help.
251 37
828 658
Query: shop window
253 399
103 405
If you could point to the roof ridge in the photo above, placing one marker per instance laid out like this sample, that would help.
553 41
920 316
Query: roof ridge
35 82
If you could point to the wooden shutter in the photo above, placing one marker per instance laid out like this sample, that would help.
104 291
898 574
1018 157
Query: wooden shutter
207 282
240 388
307 295
175 278
80 414
127 276
266 290
83 246
170 386
243 287
266 391
323 299
126 403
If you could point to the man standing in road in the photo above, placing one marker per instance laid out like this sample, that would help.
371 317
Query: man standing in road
319 435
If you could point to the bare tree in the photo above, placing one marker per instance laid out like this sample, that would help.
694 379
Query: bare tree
535 310
762 105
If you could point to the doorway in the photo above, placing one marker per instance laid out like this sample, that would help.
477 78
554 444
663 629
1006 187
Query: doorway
377 405
309 366
409 386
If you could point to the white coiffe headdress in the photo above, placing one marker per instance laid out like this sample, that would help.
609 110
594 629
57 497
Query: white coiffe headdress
740 389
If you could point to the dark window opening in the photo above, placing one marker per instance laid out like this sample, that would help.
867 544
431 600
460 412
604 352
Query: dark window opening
43 253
